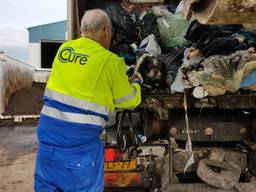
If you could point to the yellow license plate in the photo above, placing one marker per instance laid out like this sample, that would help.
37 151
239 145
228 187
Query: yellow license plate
120 165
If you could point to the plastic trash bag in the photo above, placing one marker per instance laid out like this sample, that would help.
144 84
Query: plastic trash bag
249 80
123 25
147 23
124 32
150 45
180 84
172 28
172 62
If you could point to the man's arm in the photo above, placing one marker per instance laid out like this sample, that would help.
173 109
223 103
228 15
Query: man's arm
126 95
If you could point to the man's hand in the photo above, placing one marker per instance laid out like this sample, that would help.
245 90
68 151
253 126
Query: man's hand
136 77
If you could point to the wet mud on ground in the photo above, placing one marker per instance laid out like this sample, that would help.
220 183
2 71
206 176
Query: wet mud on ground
26 101
17 153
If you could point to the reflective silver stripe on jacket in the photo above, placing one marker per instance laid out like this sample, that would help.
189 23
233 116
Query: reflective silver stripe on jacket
86 105
73 117
128 97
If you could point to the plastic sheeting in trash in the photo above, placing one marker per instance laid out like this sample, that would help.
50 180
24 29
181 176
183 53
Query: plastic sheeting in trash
249 80
14 75
180 84
172 28
223 74
150 45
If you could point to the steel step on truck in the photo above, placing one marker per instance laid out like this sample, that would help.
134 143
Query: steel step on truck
222 129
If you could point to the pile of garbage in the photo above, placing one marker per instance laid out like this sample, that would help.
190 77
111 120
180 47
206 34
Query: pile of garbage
173 53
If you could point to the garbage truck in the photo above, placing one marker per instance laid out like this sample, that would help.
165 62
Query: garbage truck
193 144
184 141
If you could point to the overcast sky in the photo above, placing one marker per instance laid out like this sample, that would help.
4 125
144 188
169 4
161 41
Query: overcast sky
17 15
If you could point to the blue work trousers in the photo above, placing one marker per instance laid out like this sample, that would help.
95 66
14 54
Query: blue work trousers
74 169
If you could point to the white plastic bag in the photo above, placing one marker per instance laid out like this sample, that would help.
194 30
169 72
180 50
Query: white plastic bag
150 45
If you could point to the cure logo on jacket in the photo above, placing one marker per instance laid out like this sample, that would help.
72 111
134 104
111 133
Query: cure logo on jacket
68 54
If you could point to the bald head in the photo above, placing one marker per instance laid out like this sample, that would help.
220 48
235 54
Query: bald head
94 21
96 25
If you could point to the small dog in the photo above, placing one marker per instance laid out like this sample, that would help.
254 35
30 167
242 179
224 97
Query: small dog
152 70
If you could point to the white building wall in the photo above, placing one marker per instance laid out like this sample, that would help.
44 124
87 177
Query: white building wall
35 55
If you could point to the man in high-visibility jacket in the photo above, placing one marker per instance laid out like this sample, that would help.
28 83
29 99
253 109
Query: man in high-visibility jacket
87 83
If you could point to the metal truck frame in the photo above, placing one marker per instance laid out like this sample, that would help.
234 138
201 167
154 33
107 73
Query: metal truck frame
222 127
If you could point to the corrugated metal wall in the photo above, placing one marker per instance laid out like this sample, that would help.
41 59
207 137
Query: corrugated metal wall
51 31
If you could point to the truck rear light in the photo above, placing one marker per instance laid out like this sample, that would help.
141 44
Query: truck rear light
109 154
113 154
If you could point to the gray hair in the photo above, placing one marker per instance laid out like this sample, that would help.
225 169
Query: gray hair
94 21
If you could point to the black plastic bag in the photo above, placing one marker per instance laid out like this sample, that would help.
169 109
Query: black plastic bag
172 62
124 33
148 26
123 25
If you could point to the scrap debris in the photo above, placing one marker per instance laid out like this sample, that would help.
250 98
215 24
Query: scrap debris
211 60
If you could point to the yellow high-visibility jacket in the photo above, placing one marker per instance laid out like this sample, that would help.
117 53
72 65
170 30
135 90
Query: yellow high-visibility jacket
87 83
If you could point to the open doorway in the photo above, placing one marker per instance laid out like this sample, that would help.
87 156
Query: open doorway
49 50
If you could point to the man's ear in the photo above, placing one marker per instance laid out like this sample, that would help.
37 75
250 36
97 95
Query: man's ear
105 31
